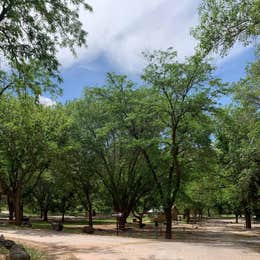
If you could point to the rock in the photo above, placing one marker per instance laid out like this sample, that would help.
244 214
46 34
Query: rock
17 252
8 244
88 230
57 226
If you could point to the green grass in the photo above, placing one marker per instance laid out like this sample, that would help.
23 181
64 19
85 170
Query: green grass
3 251
35 254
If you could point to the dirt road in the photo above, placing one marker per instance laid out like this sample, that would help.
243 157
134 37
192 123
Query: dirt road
93 247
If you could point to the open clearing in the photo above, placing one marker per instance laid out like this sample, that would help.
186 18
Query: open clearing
212 240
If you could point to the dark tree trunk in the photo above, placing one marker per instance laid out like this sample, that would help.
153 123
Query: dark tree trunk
141 222
10 202
122 221
18 207
187 215
200 214
208 212
90 213
41 213
90 218
168 217
236 218
45 214
63 216
248 218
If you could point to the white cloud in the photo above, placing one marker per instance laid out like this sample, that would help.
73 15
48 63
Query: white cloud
120 30
45 101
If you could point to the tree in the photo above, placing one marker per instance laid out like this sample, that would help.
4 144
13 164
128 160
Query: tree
31 33
238 150
76 165
30 136
109 120
44 194
182 101
224 22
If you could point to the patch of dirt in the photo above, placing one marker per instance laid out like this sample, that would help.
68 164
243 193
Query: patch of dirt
211 240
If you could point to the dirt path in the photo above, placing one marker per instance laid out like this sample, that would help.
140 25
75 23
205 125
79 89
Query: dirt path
93 247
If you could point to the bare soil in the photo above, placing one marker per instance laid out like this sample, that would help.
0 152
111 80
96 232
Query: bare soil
216 239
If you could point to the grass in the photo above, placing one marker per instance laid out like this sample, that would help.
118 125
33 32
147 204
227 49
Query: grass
71 226
3 251
35 254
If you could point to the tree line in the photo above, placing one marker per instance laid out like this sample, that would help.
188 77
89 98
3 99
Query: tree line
125 146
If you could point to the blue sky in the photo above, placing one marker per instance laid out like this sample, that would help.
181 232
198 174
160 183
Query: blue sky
119 30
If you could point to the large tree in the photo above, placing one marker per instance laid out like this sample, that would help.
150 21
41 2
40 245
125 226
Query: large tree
181 104
109 119
31 33
238 142
30 138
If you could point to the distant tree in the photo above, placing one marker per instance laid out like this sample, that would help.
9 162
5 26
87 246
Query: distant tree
43 194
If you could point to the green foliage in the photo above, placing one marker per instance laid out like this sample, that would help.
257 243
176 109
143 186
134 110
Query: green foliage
225 22
31 138
108 119
183 99
238 141
31 33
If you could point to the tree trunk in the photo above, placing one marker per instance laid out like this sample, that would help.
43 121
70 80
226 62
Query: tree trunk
187 215
45 214
18 207
248 218
122 221
208 212
63 216
90 213
41 213
236 218
10 203
168 217
140 220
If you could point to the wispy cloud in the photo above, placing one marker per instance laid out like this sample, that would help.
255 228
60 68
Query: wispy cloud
121 30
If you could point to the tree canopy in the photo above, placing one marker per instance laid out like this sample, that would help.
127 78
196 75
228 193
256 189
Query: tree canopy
225 22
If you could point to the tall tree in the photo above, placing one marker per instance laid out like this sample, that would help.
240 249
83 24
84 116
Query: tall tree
30 136
109 121
183 93
239 149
